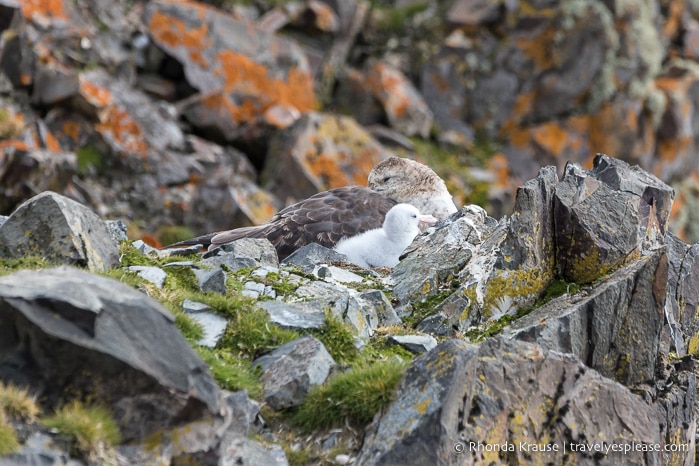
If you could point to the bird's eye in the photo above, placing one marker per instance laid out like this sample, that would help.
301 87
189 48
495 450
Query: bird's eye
386 178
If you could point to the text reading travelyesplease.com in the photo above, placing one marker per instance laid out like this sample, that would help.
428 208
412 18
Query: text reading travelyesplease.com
564 447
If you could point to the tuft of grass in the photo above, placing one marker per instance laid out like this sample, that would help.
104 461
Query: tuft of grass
251 334
338 339
8 438
230 372
356 396
90 428
16 402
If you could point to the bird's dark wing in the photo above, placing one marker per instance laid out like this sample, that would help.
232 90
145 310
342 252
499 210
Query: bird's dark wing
323 218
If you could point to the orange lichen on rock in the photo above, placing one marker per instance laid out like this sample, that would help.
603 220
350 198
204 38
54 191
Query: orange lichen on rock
328 169
94 94
521 108
176 33
551 137
124 131
499 166
41 10
51 142
16 143
243 75
538 48
387 86
71 129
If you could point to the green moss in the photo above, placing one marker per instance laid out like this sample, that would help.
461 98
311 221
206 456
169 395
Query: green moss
87 157
230 372
354 396
129 255
90 428
378 349
250 333
8 266
302 456
181 278
338 339
557 288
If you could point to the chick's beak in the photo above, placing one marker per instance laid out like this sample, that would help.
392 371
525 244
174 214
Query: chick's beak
426 220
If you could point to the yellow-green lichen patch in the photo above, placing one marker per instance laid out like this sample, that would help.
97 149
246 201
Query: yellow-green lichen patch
511 288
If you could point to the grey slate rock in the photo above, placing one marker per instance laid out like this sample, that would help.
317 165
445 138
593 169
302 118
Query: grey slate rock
243 412
385 312
154 275
118 230
345 305
290 371
213 280
57 228
301 315
336 274
213 324
414 343
238 450
38 450
312 254
243 253
94 333
437 257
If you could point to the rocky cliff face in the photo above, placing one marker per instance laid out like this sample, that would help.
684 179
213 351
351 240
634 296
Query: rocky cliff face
563 333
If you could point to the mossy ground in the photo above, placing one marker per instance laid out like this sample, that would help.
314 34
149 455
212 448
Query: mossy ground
366 384
91 429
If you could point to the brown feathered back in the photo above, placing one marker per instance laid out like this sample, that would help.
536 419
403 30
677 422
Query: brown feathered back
324 218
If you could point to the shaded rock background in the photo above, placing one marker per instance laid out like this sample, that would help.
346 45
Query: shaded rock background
214 115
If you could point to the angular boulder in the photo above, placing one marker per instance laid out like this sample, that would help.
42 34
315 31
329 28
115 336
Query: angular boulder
69 333
61 230
607 216
290 371
509 402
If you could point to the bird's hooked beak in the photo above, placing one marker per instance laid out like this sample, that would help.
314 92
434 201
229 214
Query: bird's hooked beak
424 220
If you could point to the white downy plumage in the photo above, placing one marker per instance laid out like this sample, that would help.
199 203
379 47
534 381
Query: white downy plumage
383 246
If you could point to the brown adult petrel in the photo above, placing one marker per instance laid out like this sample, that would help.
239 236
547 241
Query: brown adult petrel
329 216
